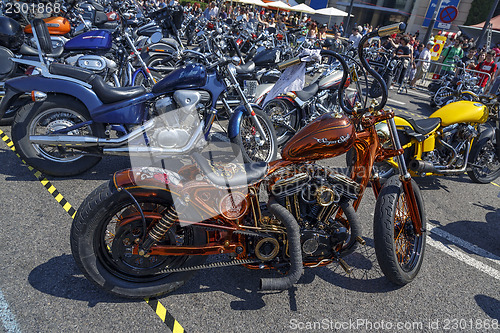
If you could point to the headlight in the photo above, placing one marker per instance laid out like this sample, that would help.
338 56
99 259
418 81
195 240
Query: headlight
384 135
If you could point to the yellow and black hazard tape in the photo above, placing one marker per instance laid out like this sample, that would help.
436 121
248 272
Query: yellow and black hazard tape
45 182
164 315
159 309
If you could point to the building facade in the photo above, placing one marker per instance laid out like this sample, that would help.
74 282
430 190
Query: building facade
384 12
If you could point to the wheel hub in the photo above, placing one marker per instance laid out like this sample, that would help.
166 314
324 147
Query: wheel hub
60 124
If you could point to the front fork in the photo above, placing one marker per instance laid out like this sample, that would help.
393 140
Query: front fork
247 105
406 180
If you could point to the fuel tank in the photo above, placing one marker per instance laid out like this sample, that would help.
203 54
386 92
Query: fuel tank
331 81
57 25
328 136
267 57
462 112
98 40
189 76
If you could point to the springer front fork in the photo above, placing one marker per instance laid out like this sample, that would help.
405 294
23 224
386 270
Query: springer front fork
405 177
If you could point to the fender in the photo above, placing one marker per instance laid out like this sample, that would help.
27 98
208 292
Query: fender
235 120
18 86
490 132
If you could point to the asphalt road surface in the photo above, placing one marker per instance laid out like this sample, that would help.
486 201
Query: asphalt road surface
458 288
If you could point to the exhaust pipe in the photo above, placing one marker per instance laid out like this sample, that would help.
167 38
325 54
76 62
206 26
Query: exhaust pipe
293 234
79 141
425 166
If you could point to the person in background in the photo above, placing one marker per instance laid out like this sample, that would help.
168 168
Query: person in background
422 64
469 59
403 52
449 55
313 30
322 32
355 37
196 11
212 12
487 66
341 28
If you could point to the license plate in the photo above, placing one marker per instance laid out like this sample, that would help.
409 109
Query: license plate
250 87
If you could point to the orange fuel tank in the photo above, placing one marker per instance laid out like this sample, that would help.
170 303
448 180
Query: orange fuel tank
57 25
328 136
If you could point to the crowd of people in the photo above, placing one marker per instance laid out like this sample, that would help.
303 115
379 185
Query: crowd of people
409 48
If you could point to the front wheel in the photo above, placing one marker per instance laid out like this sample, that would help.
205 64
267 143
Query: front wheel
249 142
399 249
107 226
485 162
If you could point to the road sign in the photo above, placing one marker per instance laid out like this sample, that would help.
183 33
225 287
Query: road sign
438 47
432 8
448 14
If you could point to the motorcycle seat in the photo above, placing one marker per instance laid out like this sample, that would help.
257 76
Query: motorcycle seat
108 94
31 51
28 50
307 92
423 126
72 71
230 174
247 68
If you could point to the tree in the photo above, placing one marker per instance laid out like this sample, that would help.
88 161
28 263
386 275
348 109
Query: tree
479 11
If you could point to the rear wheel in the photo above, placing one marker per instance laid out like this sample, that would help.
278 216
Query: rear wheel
284 117
399 249
108 224
44 118
486 163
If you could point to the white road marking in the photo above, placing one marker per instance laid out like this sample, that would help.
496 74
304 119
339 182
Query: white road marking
394 101
7 318
458 254
419 93
465 258
463 243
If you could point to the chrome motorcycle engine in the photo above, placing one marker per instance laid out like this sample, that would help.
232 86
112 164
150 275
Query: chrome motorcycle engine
92 62
178 117
312 194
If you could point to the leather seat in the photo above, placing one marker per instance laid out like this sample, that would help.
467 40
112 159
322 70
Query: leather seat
247 68
28 50
307 92
423 126
72 71
230 174
44 40
106 93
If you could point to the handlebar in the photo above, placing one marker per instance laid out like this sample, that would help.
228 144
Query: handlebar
382 32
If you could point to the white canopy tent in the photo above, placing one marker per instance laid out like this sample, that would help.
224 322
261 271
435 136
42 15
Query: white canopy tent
330 11
303 8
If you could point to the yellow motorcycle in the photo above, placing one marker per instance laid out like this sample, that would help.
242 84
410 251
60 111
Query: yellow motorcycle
460 137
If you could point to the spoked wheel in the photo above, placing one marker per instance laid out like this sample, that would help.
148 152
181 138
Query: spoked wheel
284 117
399 249
45 118
107 227
249 142
485 162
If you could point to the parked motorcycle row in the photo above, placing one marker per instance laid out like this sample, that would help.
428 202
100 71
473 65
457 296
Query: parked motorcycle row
132 87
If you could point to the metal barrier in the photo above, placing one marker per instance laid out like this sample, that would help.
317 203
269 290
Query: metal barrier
436 71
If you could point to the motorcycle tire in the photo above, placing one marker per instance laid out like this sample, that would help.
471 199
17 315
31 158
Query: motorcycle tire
101 235
248 143
483 153
161 64
55 161
282 111
399 249
8 117
141 79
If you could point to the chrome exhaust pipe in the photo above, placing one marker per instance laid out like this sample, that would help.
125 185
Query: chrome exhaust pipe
425 167
79 141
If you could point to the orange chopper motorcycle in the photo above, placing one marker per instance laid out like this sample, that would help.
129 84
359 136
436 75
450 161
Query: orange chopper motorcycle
146 231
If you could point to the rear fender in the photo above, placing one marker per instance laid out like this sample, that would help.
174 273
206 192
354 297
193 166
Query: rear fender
148 180
235 120
491 133
21 85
